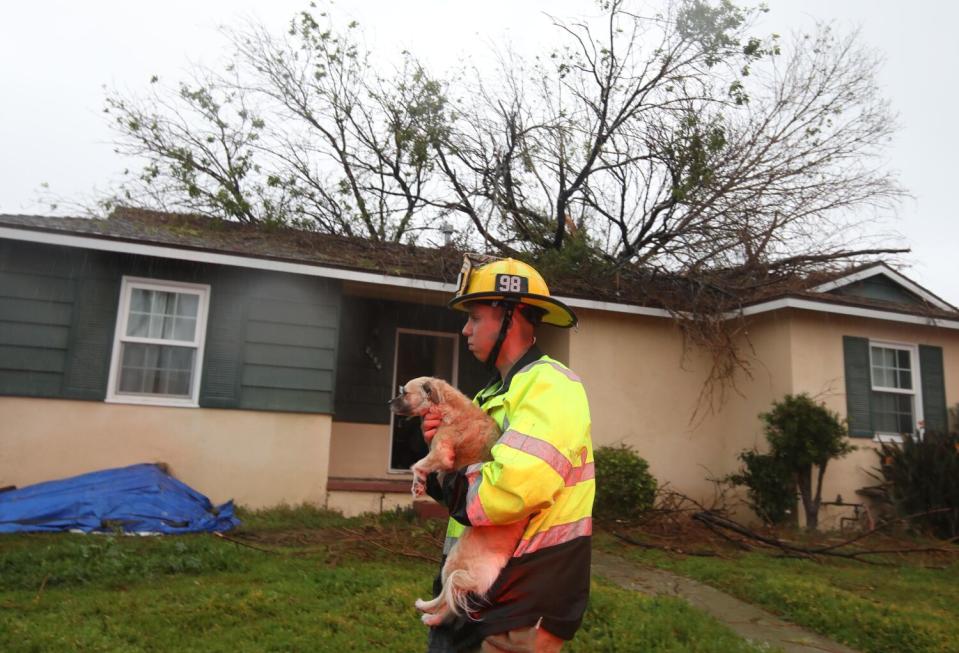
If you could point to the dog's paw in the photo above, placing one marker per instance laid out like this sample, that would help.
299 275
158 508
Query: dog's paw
419 488
432 619
420 473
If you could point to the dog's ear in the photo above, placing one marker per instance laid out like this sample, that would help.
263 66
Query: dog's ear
430 392
433 389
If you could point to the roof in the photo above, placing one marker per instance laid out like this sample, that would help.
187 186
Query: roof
203 234
210 240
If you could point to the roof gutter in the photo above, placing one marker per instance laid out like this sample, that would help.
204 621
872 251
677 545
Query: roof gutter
840 309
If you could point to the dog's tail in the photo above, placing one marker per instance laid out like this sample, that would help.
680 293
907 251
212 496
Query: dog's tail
458 594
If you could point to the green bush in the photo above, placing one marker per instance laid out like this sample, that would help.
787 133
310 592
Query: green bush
921 476
624 486
803 437
770 490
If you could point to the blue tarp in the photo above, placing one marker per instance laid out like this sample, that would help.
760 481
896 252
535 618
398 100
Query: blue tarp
137 499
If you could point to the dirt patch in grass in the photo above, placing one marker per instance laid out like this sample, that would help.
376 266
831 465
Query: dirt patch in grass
365 542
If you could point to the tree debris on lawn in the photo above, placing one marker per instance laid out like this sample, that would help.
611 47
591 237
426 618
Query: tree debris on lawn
680 524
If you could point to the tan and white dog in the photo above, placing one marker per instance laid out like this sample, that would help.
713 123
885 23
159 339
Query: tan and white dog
465 436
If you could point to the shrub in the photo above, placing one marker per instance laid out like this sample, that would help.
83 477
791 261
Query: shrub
624 486
803 434
921 476
770 490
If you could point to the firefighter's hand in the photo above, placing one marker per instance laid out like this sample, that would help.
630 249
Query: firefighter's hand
431 422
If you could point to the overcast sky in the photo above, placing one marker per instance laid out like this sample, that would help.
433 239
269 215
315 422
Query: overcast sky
56 57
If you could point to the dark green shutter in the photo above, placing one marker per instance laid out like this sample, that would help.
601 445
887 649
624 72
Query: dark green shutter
933 385
858 386
220 383
91 338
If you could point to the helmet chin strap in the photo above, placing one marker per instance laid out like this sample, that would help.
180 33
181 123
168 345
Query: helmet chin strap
508 308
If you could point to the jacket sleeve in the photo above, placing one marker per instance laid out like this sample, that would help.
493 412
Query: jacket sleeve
530 462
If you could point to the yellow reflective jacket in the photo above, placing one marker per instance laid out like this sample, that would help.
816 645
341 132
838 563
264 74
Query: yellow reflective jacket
541 470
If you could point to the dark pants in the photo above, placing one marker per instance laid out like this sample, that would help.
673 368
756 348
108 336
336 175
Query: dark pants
521 640
440 641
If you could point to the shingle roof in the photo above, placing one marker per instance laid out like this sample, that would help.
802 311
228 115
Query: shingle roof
407 261
282 244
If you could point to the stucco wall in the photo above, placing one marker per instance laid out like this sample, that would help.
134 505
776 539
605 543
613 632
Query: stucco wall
361 451
352 504
644 389
257 458
818 369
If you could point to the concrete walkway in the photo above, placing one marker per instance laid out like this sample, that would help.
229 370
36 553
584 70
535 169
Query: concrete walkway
746 620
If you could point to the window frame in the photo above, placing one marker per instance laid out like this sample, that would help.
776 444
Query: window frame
454 336
915 393
127 286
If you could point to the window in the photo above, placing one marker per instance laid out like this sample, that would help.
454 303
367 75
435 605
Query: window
418 353
893 388
894 406
158 345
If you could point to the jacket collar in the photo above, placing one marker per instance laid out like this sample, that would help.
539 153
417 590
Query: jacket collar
534 353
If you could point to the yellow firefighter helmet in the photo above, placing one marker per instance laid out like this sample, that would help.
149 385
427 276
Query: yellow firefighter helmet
512 281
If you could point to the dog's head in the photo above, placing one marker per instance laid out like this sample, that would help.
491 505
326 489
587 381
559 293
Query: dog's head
416 397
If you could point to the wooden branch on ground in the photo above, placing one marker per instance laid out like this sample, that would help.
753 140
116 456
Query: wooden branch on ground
246 544
789 548
882 526
408 554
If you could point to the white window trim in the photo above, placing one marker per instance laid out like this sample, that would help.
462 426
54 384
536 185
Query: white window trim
396 382
123 313
918 416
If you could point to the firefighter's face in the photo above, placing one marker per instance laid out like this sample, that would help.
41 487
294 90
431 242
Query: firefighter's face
482 328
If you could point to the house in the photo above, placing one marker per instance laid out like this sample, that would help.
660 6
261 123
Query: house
258 363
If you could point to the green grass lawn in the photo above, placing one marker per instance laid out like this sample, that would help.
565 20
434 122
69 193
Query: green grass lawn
912 607
331 584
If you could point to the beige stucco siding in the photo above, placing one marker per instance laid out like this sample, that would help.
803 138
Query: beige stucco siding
764 344
256 458
644 387
357 503
361 451
818 356
818 369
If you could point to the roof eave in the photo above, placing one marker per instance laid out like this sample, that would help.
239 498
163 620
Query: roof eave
203 255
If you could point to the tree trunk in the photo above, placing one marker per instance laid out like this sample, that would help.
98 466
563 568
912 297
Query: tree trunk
817 500
810 506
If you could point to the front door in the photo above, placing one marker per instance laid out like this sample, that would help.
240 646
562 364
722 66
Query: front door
418 353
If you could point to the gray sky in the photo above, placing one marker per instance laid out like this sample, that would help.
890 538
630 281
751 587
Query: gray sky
56 56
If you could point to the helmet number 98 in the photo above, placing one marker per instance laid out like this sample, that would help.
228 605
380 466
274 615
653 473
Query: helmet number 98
512 283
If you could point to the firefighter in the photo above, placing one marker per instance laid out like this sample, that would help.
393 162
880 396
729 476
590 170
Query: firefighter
541 470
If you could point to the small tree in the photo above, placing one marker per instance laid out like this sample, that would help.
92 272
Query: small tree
803 434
